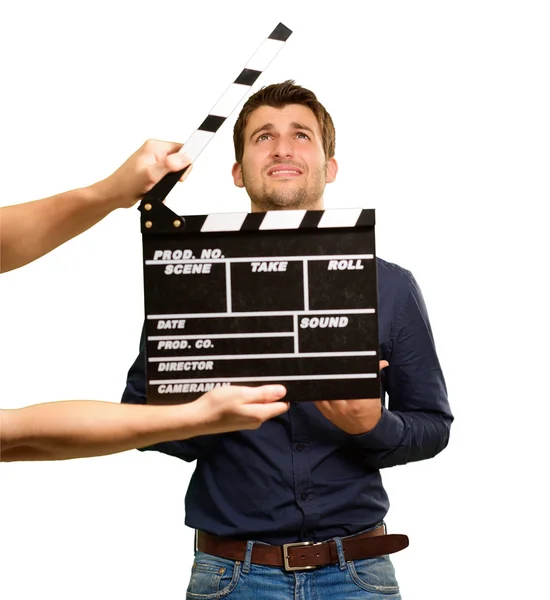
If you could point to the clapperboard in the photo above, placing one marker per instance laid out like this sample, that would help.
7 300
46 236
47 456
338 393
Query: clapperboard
284 297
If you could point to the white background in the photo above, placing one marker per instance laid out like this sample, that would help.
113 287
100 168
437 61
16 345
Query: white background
442 117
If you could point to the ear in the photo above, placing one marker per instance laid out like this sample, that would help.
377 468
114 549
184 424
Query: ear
332 170
237 172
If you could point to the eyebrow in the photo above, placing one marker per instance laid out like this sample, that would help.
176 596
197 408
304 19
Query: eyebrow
270 126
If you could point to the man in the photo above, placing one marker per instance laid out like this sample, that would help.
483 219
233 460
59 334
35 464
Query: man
75 429
311 475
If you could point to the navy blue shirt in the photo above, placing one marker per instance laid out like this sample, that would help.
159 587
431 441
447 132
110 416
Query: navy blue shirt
299 477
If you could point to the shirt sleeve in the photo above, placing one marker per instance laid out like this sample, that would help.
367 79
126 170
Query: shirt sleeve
417 423
136 393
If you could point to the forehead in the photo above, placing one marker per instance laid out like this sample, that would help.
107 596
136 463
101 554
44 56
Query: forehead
282 118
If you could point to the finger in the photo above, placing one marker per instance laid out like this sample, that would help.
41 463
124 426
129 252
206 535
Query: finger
186 173
265 393
251 395
384 364
268 411
259 413
323 406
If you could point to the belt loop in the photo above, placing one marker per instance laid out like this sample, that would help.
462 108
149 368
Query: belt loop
247 557
341 556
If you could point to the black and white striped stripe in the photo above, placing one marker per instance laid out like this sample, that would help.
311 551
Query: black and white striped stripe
235 93
278 220
221 110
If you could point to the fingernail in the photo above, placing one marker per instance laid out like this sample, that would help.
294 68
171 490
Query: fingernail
279 390
184 157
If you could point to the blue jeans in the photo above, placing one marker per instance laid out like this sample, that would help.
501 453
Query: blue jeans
369 579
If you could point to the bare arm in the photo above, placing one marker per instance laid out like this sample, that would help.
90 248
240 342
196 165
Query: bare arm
78 429
30 230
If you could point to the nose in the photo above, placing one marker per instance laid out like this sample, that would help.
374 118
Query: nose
282 148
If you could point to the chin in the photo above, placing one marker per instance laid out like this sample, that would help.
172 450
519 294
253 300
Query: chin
290 199
281 203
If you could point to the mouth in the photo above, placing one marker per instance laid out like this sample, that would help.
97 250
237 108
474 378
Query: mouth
284 171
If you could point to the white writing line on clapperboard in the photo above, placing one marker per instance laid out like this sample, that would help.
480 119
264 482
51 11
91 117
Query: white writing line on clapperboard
262 356
243 259
262 313
183 386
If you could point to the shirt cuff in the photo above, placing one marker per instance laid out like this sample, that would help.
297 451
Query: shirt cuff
386 435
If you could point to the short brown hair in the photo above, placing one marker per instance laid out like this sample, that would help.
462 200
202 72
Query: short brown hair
279 95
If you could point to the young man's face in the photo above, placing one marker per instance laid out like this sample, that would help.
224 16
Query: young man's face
284 164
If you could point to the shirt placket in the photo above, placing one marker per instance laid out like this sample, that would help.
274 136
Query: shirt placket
301 466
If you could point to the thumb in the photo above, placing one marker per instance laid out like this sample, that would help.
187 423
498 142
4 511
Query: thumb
174 162
177 161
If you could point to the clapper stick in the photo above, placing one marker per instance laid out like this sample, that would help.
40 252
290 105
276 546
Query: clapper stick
228 102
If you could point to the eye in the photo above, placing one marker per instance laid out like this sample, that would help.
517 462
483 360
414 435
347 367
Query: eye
263 137
302 135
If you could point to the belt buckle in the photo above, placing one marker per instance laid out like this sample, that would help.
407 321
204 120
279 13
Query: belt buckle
285 557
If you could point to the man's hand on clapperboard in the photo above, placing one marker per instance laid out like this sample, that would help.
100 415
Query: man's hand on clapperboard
353 416
145 168
233 407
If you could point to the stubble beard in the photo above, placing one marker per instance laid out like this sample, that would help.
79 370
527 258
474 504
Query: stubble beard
286 199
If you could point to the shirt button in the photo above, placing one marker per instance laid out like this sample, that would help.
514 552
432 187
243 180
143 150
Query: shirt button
303 496
300 447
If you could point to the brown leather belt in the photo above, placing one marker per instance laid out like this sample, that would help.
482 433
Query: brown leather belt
305 555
